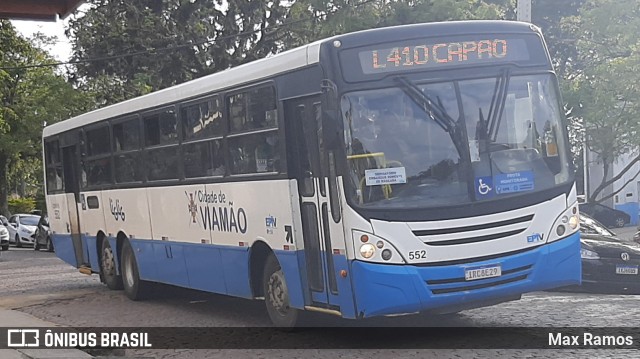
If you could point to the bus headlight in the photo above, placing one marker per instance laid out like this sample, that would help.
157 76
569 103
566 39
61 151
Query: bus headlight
566 224
371 248
367 250
574 221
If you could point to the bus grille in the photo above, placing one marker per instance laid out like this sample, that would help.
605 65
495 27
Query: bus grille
475 233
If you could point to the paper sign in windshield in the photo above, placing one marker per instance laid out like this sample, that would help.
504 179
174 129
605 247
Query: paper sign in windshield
384 176
513 182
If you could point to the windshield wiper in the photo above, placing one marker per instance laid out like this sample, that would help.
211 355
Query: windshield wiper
456 129
435 111
498 101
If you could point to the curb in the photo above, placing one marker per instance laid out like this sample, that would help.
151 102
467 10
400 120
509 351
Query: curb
17 319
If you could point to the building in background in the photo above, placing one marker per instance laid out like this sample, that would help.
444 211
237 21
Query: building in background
44 10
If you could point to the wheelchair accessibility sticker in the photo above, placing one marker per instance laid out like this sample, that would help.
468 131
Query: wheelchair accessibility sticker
484 187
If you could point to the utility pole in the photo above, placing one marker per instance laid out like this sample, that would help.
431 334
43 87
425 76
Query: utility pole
524 10
585 165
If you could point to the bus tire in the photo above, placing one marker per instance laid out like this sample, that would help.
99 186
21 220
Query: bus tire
108 267
134 287
276 295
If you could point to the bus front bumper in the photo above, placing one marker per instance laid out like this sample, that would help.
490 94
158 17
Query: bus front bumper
381 289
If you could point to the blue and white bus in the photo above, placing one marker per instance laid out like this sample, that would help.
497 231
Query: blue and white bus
420 168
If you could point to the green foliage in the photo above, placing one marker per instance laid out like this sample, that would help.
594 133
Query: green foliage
179 40
343 16
175 41
29 98
603 91
40 202
22 205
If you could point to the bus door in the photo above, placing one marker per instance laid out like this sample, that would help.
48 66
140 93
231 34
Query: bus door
70 164
305 131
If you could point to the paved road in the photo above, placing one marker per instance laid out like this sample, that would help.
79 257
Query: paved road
40 284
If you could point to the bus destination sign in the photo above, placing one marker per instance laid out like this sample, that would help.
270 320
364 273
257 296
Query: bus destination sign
418 56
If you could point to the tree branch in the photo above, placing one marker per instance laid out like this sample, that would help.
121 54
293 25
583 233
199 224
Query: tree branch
605 183
621 188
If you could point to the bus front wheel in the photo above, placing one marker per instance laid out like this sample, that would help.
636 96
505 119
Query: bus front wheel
108 267
134 287
276 295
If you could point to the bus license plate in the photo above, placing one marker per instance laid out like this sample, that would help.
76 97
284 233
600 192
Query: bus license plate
627 270
482 272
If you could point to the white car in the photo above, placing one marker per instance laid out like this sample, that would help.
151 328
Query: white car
4 234
22 229
4 238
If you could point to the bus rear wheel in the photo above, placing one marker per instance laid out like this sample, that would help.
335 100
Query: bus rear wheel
108 267
276 295
134 287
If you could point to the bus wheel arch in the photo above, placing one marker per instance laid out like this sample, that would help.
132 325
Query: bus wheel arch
260 251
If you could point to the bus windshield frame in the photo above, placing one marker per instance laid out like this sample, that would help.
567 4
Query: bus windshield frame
493 137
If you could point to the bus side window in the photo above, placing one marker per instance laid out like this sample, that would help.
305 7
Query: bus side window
96 166
253 110
255 153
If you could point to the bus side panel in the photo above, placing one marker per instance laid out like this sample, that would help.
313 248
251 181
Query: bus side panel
126 211
91 251
64 248
235 261
59 221
204 266
143 250
345 289
91 212
289 261
171 263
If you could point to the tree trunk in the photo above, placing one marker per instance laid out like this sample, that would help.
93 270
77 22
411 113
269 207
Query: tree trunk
4 191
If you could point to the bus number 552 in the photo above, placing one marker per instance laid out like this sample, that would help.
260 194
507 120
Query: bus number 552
421 254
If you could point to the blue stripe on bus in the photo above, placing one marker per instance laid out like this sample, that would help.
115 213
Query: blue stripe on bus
383 289
344 299
290 266
64 248
211 268
91 252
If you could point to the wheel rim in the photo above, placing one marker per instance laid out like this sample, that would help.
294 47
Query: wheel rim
108 264
620 222
128 271
278 293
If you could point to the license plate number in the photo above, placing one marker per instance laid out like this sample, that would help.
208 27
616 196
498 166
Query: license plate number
482 272
633 270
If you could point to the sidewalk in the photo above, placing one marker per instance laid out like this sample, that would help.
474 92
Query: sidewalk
15 319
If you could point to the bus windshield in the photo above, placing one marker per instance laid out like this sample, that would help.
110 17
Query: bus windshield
454 142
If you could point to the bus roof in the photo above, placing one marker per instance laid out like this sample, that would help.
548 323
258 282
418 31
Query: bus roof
286 61
253 71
